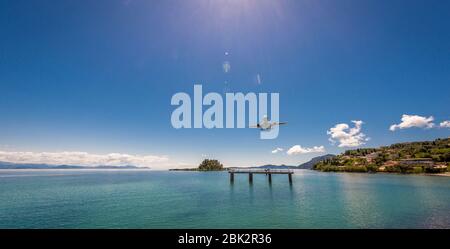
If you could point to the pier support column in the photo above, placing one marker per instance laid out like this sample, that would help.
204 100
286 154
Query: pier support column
250 177
231 177
270 178
290 178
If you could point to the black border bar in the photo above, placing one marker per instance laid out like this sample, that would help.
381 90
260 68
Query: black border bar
288 238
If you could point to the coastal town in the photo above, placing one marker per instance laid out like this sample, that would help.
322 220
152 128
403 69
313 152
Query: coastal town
413 157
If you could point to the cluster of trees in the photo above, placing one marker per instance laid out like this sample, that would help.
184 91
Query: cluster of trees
373 168
414 169
360 152
332 168
210 165
343 161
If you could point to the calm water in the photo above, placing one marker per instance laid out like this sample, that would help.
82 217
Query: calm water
149 199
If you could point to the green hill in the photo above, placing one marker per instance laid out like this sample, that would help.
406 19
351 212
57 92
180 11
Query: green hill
411 157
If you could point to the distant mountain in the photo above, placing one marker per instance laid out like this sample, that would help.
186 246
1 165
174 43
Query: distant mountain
8 165
307 165
271 166
314 160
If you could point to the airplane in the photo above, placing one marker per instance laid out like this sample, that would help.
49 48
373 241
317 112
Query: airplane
266 125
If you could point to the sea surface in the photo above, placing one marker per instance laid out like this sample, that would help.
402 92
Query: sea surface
162 199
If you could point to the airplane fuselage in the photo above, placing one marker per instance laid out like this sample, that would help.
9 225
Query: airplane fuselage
265 126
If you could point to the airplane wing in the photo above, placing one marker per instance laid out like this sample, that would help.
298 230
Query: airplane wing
279 123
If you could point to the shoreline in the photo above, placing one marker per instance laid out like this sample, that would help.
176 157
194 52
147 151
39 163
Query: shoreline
446 174
84 169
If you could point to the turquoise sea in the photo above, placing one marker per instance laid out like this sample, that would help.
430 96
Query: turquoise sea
162 199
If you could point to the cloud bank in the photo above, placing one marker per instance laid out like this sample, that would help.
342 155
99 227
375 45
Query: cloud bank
297 149
346 136
81 158
409 121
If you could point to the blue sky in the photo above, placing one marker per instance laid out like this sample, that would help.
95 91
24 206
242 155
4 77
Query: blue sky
98 76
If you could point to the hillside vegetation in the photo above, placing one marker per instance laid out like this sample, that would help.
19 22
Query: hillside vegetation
412 157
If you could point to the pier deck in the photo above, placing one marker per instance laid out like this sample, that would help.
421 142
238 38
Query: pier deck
268 172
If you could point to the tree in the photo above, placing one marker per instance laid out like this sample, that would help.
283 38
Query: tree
381 158
210 165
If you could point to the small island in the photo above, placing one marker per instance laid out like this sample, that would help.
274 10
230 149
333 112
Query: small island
429 157
206 165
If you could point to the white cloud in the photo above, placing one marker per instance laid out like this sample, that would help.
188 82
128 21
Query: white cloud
277 150
346 136
82 158
445 124
297 149
409 121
